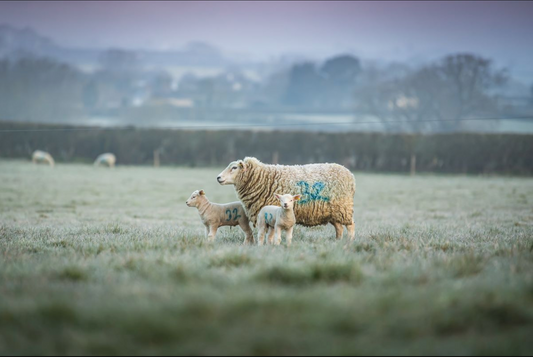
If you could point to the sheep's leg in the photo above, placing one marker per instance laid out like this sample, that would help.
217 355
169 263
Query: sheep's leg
212 233
271 235
339 229
249 239
289 236
351 231
278 235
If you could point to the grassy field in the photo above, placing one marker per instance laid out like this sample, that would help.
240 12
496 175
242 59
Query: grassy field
96 261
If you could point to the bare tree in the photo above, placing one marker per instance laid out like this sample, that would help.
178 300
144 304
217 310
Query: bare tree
437 97
340 74
39 89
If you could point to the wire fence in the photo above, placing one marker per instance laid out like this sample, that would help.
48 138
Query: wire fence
264 125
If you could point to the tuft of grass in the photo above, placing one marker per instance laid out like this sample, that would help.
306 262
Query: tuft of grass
74 274
59 244
231 260
54 313
115 229
480 316
466 266
315 273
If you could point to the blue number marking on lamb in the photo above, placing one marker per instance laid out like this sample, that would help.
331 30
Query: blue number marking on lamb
312 193
237 215
228 213
269 220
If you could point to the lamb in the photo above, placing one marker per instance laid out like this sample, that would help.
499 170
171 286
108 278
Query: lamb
108 160
41 157
215 215
327 191
274 219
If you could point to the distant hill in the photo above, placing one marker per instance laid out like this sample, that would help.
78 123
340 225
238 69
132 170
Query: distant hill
15 42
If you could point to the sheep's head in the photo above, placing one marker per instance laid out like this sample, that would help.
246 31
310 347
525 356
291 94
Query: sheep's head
195 198
230 175
287 201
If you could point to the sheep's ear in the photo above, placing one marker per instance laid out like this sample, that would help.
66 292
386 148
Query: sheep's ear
242 165
277 196
297 197
202 193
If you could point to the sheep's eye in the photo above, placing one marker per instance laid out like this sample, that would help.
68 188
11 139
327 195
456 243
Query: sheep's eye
235 168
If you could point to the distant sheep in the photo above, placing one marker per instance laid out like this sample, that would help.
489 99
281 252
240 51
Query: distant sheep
215 215
275 219
327 191
41 157
108 160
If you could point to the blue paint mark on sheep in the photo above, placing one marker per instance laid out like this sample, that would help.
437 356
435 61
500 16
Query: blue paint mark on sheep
314 193
235 216
269 220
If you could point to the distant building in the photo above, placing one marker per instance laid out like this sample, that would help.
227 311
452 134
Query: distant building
174 102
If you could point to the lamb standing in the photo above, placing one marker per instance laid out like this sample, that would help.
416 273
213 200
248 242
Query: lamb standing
41 157
108 160
327 191
215 215
274 219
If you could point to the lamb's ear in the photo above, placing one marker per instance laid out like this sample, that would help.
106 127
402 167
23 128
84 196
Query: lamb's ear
202 193
297 197
277 196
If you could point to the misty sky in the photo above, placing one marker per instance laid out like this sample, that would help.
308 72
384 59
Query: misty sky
389 30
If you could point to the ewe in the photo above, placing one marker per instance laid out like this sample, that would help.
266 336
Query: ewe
108 160
41 157
327 191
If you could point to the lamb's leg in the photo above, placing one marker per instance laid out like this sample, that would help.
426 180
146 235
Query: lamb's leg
289 236
212 233
278 235
351 231
249 239
339 229
271 236
261 235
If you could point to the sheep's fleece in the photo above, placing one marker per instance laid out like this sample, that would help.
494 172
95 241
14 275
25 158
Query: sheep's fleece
327 191
42 157
106 160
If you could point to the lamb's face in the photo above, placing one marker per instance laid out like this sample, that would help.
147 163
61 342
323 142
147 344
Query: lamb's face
287 201
229 175
193 201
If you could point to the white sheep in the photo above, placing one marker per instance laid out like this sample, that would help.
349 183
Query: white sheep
41 157
108 160
327 191
215 215
275 219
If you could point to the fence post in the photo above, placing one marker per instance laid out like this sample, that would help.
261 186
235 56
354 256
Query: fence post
413 165
275 158
157 161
